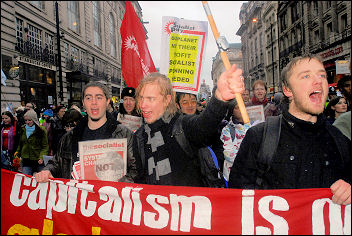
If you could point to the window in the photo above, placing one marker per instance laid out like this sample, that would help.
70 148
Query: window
66 51
49 45
329 29
112 36
49 42
315 8
294 13
328 5
74 54
73 15
316 35
38 4
83 57
34 36
343 22
19 33
96 24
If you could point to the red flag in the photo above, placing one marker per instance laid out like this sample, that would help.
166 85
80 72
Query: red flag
136 61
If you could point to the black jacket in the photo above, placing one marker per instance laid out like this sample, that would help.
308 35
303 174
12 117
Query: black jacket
308 156
61 165
185 171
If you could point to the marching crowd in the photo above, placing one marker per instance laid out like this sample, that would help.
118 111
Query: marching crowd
305 141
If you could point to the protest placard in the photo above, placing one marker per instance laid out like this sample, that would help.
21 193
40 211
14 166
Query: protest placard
183 44
131 122
256 113
104 159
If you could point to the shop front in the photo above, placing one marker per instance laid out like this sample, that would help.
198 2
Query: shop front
37 82
331 56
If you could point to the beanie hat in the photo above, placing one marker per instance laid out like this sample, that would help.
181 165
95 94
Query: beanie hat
31 114
49 113
128 91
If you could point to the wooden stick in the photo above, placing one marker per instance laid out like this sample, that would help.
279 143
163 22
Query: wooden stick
225 60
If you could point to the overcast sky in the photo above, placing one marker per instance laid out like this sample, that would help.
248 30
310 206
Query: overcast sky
225 14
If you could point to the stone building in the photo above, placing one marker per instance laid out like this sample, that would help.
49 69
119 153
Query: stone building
252 39
316 27
274 32
204 91
234 54
90 48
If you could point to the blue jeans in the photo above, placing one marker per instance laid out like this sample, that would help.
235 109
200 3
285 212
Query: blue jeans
29 170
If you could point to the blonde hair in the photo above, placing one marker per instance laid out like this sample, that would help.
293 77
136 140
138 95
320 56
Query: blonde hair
165 89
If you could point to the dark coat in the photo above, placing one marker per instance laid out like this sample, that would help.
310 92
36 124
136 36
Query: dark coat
185 170
308 156
61 165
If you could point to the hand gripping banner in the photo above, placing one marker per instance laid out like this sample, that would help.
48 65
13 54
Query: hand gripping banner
96 207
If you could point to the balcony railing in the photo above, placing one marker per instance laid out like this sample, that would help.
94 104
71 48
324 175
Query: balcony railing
36 52
72 65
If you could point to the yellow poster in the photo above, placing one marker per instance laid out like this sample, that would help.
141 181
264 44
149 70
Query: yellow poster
183 44
182 58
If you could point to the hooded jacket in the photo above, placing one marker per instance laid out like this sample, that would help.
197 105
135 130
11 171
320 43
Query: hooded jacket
35 146
61 165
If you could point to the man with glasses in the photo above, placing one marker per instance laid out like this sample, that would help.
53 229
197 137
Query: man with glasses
187 103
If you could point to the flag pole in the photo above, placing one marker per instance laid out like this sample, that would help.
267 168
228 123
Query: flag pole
222 45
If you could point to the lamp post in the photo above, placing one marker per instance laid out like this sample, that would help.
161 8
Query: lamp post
61 95
272 55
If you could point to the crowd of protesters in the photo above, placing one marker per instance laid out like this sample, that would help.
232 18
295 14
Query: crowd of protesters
306 111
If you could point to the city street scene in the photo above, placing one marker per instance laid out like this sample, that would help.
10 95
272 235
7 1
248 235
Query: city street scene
176 117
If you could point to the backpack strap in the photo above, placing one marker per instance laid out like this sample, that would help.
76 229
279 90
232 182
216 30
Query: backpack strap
340 142
140 144
215 159
267 149
178 133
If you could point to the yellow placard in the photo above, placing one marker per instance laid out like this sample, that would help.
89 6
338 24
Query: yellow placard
182 58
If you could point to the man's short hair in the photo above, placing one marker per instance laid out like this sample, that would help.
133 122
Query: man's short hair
165 89
287 70
99 85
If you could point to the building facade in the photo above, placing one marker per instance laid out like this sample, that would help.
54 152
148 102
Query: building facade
234 54
326 27
252 34
90 48
293 28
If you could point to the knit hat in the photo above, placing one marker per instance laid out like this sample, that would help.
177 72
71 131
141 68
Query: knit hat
31 114
49 113
128 91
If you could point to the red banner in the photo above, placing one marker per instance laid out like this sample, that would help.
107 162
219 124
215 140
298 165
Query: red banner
100 207
136 61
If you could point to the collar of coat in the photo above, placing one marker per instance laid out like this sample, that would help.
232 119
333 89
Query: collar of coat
78 130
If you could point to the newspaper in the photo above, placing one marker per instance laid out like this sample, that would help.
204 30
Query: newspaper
103 159
132 122
76 173
256 113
